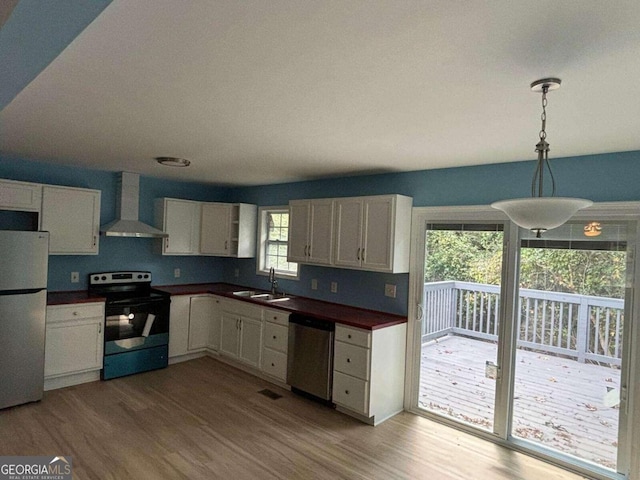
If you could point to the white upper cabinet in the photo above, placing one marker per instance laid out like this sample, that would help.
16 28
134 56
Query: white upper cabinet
373 233
207 228
72 216
181 220
349 221
215 229
228 230
311 231
22 196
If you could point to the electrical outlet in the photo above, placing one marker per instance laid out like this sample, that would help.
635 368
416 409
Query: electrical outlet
389 290
314 284
334 287
75 277
176 273
237 272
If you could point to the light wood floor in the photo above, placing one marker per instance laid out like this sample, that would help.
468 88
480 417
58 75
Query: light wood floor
205 419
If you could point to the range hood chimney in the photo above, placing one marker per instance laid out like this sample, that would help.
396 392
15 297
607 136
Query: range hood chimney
127 203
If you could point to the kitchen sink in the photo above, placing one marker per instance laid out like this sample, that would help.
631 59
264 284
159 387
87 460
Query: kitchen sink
245 293
269 297
261 296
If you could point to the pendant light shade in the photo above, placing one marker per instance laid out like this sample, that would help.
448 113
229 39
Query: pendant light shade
539 213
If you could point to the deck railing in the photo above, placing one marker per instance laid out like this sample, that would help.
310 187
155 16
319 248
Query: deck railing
578 326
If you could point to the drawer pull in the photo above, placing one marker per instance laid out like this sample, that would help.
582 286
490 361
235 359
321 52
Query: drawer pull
347 392
348 360
273 364
75 314
349 336
275 317
274 337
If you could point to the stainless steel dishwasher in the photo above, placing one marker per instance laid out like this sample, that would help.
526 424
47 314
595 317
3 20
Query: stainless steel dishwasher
310 356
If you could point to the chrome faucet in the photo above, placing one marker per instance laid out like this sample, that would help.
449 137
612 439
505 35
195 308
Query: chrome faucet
273 280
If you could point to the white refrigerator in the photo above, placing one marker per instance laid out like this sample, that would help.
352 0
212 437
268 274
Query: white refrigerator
23 300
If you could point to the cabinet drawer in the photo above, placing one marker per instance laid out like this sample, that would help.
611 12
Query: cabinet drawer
274 364
244 309
63 313
351 392
352 360
354 336
277 316
276 336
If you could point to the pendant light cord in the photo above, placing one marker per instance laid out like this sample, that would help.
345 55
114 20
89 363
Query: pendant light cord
542 148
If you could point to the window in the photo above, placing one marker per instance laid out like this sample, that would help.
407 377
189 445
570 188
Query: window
274 242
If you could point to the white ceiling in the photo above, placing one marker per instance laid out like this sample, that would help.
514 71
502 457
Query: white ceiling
258 92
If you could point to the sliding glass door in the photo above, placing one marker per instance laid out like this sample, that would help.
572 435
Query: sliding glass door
524 339
571 341
459 337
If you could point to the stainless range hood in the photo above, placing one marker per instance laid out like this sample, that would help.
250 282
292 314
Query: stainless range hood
127 203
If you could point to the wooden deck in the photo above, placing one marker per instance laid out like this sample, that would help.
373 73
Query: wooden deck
558 402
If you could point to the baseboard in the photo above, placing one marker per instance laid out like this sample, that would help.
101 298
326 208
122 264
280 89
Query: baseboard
248 369
53 383
186 357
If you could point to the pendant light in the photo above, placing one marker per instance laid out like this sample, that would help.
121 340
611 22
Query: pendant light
539 213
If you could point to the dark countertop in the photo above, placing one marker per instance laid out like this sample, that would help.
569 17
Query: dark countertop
346 315
76 296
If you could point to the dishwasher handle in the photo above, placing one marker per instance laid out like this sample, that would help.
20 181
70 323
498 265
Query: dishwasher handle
312 322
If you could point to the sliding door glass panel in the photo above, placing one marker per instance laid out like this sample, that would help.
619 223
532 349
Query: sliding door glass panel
460 308
569 347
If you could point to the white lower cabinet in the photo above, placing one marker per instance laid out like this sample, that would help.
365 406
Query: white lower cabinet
241 332
368 371
74 340
179 325
275 343
201 315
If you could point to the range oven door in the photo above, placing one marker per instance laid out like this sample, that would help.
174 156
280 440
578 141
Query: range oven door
136 336
136 318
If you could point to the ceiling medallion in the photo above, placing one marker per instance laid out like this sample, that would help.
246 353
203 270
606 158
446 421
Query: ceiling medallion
173 161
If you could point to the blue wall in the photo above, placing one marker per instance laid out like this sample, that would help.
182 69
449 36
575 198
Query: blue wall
610 177
607 177
117 253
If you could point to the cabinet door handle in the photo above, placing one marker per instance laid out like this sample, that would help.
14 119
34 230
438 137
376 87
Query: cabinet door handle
349 335
348 360
309 250
272 364
166 245
274 337
75 314
362 254
225 244
358 254
347 392
94 240
100 328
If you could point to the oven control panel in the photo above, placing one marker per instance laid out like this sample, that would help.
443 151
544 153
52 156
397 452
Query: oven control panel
113 278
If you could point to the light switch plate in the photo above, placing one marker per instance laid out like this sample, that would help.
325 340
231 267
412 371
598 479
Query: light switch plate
334 287
389 290
314 284
75 277
176 273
